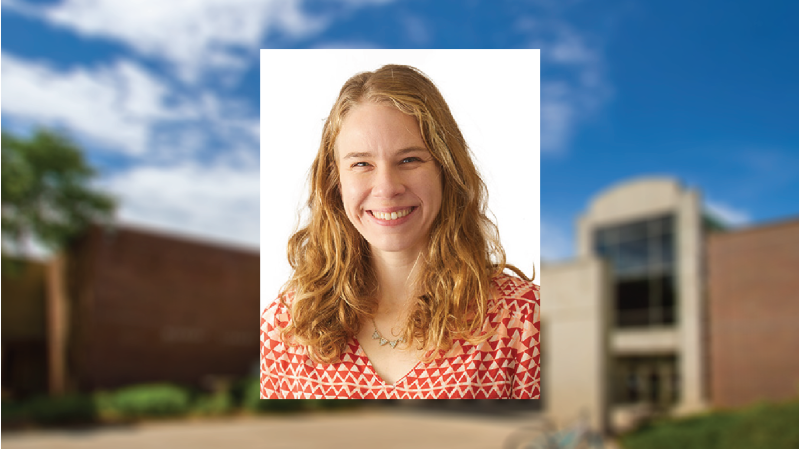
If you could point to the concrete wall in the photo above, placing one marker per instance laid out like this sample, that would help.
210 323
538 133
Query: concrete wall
645 198
575 325
753 310
146 307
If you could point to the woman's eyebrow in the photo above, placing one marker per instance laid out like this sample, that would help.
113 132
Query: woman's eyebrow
398 153
356 155
411 150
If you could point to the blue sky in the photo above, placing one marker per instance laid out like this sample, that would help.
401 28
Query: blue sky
164 96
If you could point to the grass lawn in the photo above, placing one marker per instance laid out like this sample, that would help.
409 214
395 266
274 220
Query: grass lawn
771 426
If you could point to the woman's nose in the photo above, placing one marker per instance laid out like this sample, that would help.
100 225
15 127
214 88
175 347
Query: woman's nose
388 183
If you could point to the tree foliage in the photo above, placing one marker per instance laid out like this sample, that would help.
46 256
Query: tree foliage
46 193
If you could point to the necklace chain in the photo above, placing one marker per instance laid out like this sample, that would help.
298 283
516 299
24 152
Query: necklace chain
376 335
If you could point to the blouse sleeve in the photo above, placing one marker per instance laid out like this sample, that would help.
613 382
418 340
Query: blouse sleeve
270 348
526 379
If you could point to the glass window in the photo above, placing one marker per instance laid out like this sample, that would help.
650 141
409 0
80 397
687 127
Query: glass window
632 303
645 379
632 257
642 258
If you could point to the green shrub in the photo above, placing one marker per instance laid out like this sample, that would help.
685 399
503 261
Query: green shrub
154 401
251 393
216 404
12 412
768 426
238 391
140 401
69 409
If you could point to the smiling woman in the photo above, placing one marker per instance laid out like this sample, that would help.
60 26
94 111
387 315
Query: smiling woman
398 287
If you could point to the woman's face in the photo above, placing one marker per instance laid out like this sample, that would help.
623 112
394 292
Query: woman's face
391 185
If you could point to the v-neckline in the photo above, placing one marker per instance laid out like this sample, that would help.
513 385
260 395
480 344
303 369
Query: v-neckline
363 353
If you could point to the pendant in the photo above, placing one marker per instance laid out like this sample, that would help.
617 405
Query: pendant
382 341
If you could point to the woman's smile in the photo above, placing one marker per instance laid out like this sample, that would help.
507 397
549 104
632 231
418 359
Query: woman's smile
391 216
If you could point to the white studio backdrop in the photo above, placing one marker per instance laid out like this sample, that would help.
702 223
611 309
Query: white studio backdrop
493 95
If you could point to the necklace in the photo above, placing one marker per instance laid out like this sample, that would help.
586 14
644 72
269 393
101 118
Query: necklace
383 341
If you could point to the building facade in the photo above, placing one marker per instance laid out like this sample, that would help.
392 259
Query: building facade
661 330
127 306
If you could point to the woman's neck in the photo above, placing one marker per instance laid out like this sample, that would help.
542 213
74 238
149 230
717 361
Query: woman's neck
396 275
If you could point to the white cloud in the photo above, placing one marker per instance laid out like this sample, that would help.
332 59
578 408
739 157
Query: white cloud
729 215
218 202
418 32
570 48
192 35
574 87
558 115
123 107
114 105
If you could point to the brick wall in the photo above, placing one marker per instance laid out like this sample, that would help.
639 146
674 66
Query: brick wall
145 307
753 314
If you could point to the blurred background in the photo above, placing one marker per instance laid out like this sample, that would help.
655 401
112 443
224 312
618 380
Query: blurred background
131 228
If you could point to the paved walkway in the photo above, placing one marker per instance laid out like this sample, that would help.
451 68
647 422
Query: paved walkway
351 429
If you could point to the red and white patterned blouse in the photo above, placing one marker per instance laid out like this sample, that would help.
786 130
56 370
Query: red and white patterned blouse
504 367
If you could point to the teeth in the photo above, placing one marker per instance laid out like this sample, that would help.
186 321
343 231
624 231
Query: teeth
391 215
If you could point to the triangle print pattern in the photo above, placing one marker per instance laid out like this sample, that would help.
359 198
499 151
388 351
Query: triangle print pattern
506 366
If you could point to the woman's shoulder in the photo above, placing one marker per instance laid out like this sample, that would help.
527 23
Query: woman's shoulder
514 294
277 312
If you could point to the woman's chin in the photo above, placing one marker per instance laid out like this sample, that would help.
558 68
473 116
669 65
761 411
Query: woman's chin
394 247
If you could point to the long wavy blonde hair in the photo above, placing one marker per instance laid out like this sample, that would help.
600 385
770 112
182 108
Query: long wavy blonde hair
333 285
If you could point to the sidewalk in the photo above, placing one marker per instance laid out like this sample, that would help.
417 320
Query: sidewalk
358 429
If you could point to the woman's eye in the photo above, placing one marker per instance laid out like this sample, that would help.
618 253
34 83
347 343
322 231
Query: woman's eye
411 159
359 164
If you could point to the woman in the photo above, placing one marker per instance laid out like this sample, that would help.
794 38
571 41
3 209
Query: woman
398 288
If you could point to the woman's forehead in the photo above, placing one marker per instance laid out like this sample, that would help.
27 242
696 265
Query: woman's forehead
375 129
